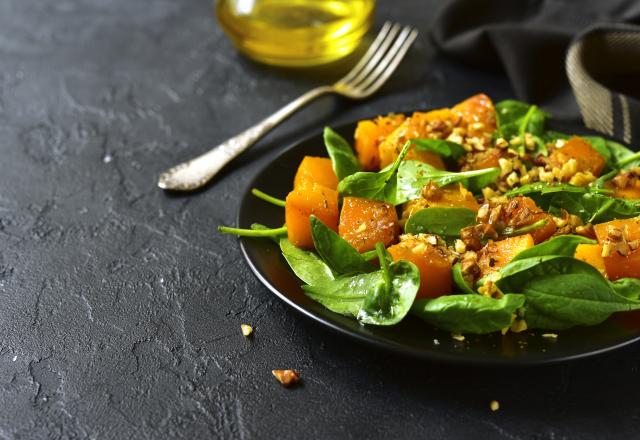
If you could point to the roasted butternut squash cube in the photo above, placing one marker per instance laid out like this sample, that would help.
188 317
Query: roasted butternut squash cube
587 158
523 211
450 196
592 254
316 170
304 201
434 267
497 254
434 124
363 223
368 136
617 264
478 115
482 160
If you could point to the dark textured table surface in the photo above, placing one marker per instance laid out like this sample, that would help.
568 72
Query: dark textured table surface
121 307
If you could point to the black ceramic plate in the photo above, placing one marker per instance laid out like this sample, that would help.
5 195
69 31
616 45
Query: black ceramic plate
411 336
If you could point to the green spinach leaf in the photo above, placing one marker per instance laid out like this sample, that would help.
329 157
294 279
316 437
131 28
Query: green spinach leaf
390 302
369 297
627 287
343 159
445 222
339 255
563 292
306 265
414 175
459 281
515 118
375 186
470 313
345 295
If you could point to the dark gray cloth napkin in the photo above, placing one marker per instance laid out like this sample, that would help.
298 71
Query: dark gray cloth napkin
556 53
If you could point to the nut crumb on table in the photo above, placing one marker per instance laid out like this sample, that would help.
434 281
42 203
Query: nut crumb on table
287 377
247 330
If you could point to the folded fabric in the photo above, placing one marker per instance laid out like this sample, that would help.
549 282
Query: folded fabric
603 66
529 41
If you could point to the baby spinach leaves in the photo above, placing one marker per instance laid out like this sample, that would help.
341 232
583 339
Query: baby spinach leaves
563 292
383 297
392 300
515 118
306 265
469 313
414 175
375 186
343 158
627 287
445 222
339 255
345 295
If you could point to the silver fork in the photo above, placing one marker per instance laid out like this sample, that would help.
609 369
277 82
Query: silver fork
371 72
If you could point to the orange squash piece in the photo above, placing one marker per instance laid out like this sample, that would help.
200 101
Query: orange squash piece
629 192
304 201
482 160
316 170
620 266
368 136
434 267
363 223
434 124
523 211
592 254
496 254
478 115
450 196
587 157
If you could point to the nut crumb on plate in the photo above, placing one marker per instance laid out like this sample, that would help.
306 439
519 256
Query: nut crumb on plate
458 337
550 335
494 405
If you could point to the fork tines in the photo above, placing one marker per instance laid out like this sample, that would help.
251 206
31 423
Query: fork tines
380 61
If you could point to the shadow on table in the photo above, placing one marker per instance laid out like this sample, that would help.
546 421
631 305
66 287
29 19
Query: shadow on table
585 385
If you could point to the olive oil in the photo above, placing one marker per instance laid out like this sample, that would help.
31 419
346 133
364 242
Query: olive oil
295 32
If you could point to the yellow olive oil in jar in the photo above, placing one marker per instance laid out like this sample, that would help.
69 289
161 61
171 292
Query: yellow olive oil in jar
295 32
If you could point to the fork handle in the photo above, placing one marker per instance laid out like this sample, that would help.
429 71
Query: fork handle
196 172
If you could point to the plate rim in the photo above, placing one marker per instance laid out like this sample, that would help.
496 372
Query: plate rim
386 345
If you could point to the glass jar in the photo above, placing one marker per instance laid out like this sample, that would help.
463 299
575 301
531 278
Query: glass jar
295 32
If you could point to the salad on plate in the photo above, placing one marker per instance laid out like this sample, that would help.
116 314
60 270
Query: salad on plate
474 218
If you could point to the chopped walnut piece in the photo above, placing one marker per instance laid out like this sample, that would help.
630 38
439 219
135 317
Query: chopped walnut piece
287 377
494 405
615 241
586 230
490 289
469 267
